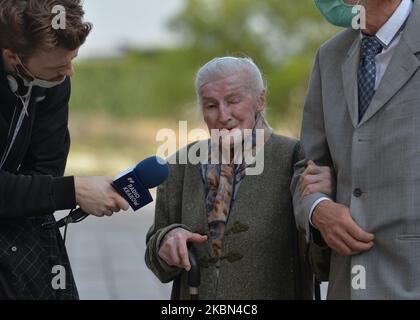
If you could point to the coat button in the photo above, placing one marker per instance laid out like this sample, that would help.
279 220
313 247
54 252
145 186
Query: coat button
14 249
357 193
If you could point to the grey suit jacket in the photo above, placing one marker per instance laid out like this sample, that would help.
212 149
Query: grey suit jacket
377 162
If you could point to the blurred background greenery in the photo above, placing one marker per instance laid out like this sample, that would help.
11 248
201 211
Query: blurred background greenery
119 104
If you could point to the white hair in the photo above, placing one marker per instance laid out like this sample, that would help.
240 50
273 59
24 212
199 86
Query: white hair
223 67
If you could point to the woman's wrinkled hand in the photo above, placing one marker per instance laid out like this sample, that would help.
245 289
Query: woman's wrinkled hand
174 250
317 179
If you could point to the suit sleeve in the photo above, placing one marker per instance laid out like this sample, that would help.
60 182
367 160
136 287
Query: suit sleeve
314 147
39 188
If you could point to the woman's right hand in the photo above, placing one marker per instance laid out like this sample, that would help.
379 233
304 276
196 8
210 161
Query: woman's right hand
174 250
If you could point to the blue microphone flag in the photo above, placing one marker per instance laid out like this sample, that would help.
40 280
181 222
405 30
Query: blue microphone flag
129 186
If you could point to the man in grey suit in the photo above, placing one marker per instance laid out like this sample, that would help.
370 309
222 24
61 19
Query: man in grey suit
362 118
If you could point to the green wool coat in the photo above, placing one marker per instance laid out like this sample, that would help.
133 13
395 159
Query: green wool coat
263 258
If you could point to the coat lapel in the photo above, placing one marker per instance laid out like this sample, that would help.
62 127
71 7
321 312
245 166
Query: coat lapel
200 199
349 74
196 202
403 65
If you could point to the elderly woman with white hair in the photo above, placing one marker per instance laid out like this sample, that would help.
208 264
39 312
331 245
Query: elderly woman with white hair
242 226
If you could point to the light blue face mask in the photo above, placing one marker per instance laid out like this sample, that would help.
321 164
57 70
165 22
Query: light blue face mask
337 12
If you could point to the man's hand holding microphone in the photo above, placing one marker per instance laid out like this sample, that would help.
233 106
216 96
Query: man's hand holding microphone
96 196
100 196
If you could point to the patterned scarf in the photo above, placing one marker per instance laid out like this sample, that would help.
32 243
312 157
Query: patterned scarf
222 183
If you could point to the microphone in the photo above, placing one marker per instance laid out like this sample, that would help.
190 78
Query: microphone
132 184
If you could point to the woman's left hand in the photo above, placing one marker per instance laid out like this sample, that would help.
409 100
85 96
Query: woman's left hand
317 179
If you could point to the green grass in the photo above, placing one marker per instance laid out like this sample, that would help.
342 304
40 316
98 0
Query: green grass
135 85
